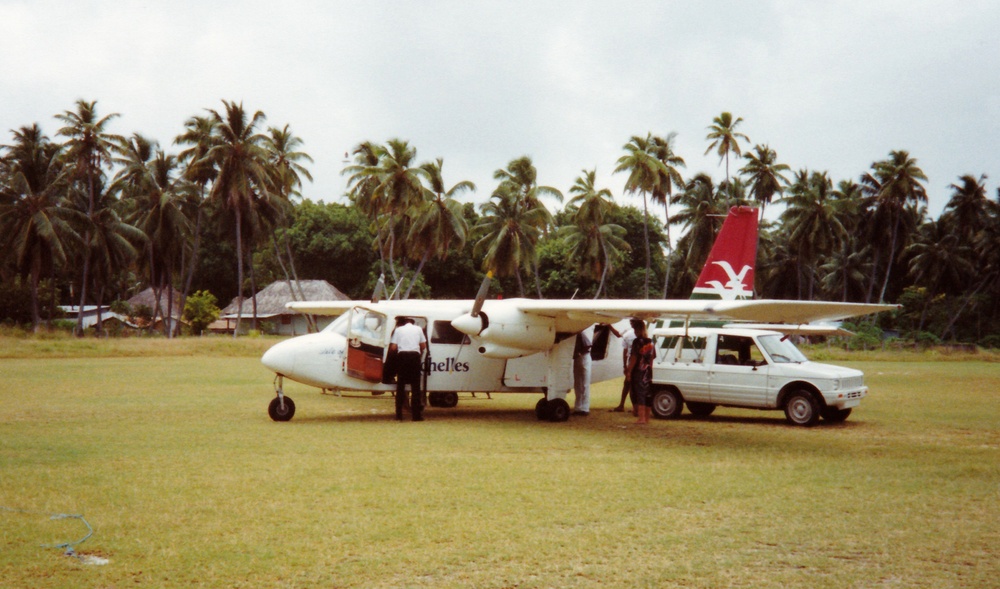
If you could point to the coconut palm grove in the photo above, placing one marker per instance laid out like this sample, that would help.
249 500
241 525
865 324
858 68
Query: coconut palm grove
88 217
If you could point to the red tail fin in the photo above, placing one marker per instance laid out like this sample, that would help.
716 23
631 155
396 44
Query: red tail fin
728 271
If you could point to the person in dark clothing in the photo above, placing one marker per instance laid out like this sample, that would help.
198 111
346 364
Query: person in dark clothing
640 371
408 342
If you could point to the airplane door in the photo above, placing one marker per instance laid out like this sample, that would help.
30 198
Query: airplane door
366 344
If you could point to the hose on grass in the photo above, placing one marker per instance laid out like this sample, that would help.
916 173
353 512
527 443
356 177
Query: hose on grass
67 547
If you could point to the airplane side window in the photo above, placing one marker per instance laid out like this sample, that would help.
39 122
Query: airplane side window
442 332
367 324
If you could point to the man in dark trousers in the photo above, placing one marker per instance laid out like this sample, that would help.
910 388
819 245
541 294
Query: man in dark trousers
408 343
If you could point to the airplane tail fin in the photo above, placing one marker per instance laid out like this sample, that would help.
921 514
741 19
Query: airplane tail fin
729 270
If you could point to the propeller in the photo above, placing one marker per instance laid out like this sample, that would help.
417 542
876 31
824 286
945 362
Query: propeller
484 288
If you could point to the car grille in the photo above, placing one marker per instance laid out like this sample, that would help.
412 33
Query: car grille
854 382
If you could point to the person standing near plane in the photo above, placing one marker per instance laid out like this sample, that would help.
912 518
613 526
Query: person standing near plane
627 337
581 374
640 371
408 342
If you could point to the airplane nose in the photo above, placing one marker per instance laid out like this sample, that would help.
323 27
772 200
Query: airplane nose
279 358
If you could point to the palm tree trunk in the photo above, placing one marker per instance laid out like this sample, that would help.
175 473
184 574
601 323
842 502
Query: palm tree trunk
420 266
892 257
670 246
538 280
310 319
83 283
239 274
36 316
645 235
253 290
193 263
604 272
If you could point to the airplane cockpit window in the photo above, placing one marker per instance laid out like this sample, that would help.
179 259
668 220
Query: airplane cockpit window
339 325
443 333
367 325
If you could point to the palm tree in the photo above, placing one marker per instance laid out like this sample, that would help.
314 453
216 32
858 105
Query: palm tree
200 172
362 182
593 243
725 138
645 174
966 213
662 149
893 184
283 156
438 222
813 221
520 179
765 175
240 159
509 233
88 152
702 213
35 231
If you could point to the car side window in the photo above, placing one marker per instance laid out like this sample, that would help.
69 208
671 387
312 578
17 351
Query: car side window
737 350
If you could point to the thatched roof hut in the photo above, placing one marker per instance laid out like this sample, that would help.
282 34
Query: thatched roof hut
148 298
271 305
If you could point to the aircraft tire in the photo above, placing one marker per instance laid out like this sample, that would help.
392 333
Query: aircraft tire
801 409
447 400
701 409
274 409
667 404
834 415
542 409
558 410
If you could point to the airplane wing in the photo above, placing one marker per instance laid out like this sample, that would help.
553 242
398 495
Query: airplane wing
324 307
807 329
759 311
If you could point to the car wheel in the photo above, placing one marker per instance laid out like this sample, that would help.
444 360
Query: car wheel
834 415
801 409
701 409
667 404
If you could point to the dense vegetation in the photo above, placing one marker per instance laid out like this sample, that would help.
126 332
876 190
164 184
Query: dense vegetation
93 217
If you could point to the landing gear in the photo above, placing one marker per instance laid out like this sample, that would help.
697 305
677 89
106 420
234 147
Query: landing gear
446 400
281 408
552 410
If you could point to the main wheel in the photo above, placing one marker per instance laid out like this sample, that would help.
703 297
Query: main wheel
801 409
701 409
558 410
277 413
667 403
447 400
542 409
834 415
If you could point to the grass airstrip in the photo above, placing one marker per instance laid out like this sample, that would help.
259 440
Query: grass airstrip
166 450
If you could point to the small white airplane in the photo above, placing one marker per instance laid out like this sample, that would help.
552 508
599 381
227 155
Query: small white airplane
517 345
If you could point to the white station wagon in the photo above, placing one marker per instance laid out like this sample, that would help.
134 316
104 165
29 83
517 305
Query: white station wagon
752 368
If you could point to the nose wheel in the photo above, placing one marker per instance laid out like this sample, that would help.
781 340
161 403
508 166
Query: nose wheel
281 408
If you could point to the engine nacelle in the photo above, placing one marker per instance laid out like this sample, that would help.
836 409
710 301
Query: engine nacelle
505 332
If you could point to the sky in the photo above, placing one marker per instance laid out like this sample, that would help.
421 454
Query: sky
830 86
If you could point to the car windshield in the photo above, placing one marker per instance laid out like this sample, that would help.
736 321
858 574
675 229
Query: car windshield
781 349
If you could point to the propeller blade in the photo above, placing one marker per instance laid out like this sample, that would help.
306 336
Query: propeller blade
379 289
484 288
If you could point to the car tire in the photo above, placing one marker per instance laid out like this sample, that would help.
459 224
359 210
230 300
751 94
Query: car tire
834 415
667 403
701 409
801 408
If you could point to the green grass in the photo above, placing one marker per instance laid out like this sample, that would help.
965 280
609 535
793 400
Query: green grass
172 459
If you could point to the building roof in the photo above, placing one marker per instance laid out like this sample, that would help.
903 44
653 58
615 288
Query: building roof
271 300
148 298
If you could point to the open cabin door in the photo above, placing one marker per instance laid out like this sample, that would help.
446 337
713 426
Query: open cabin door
366 342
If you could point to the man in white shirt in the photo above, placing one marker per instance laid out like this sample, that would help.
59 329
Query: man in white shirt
408 342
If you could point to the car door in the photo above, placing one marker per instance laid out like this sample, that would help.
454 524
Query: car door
739 374
680 361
